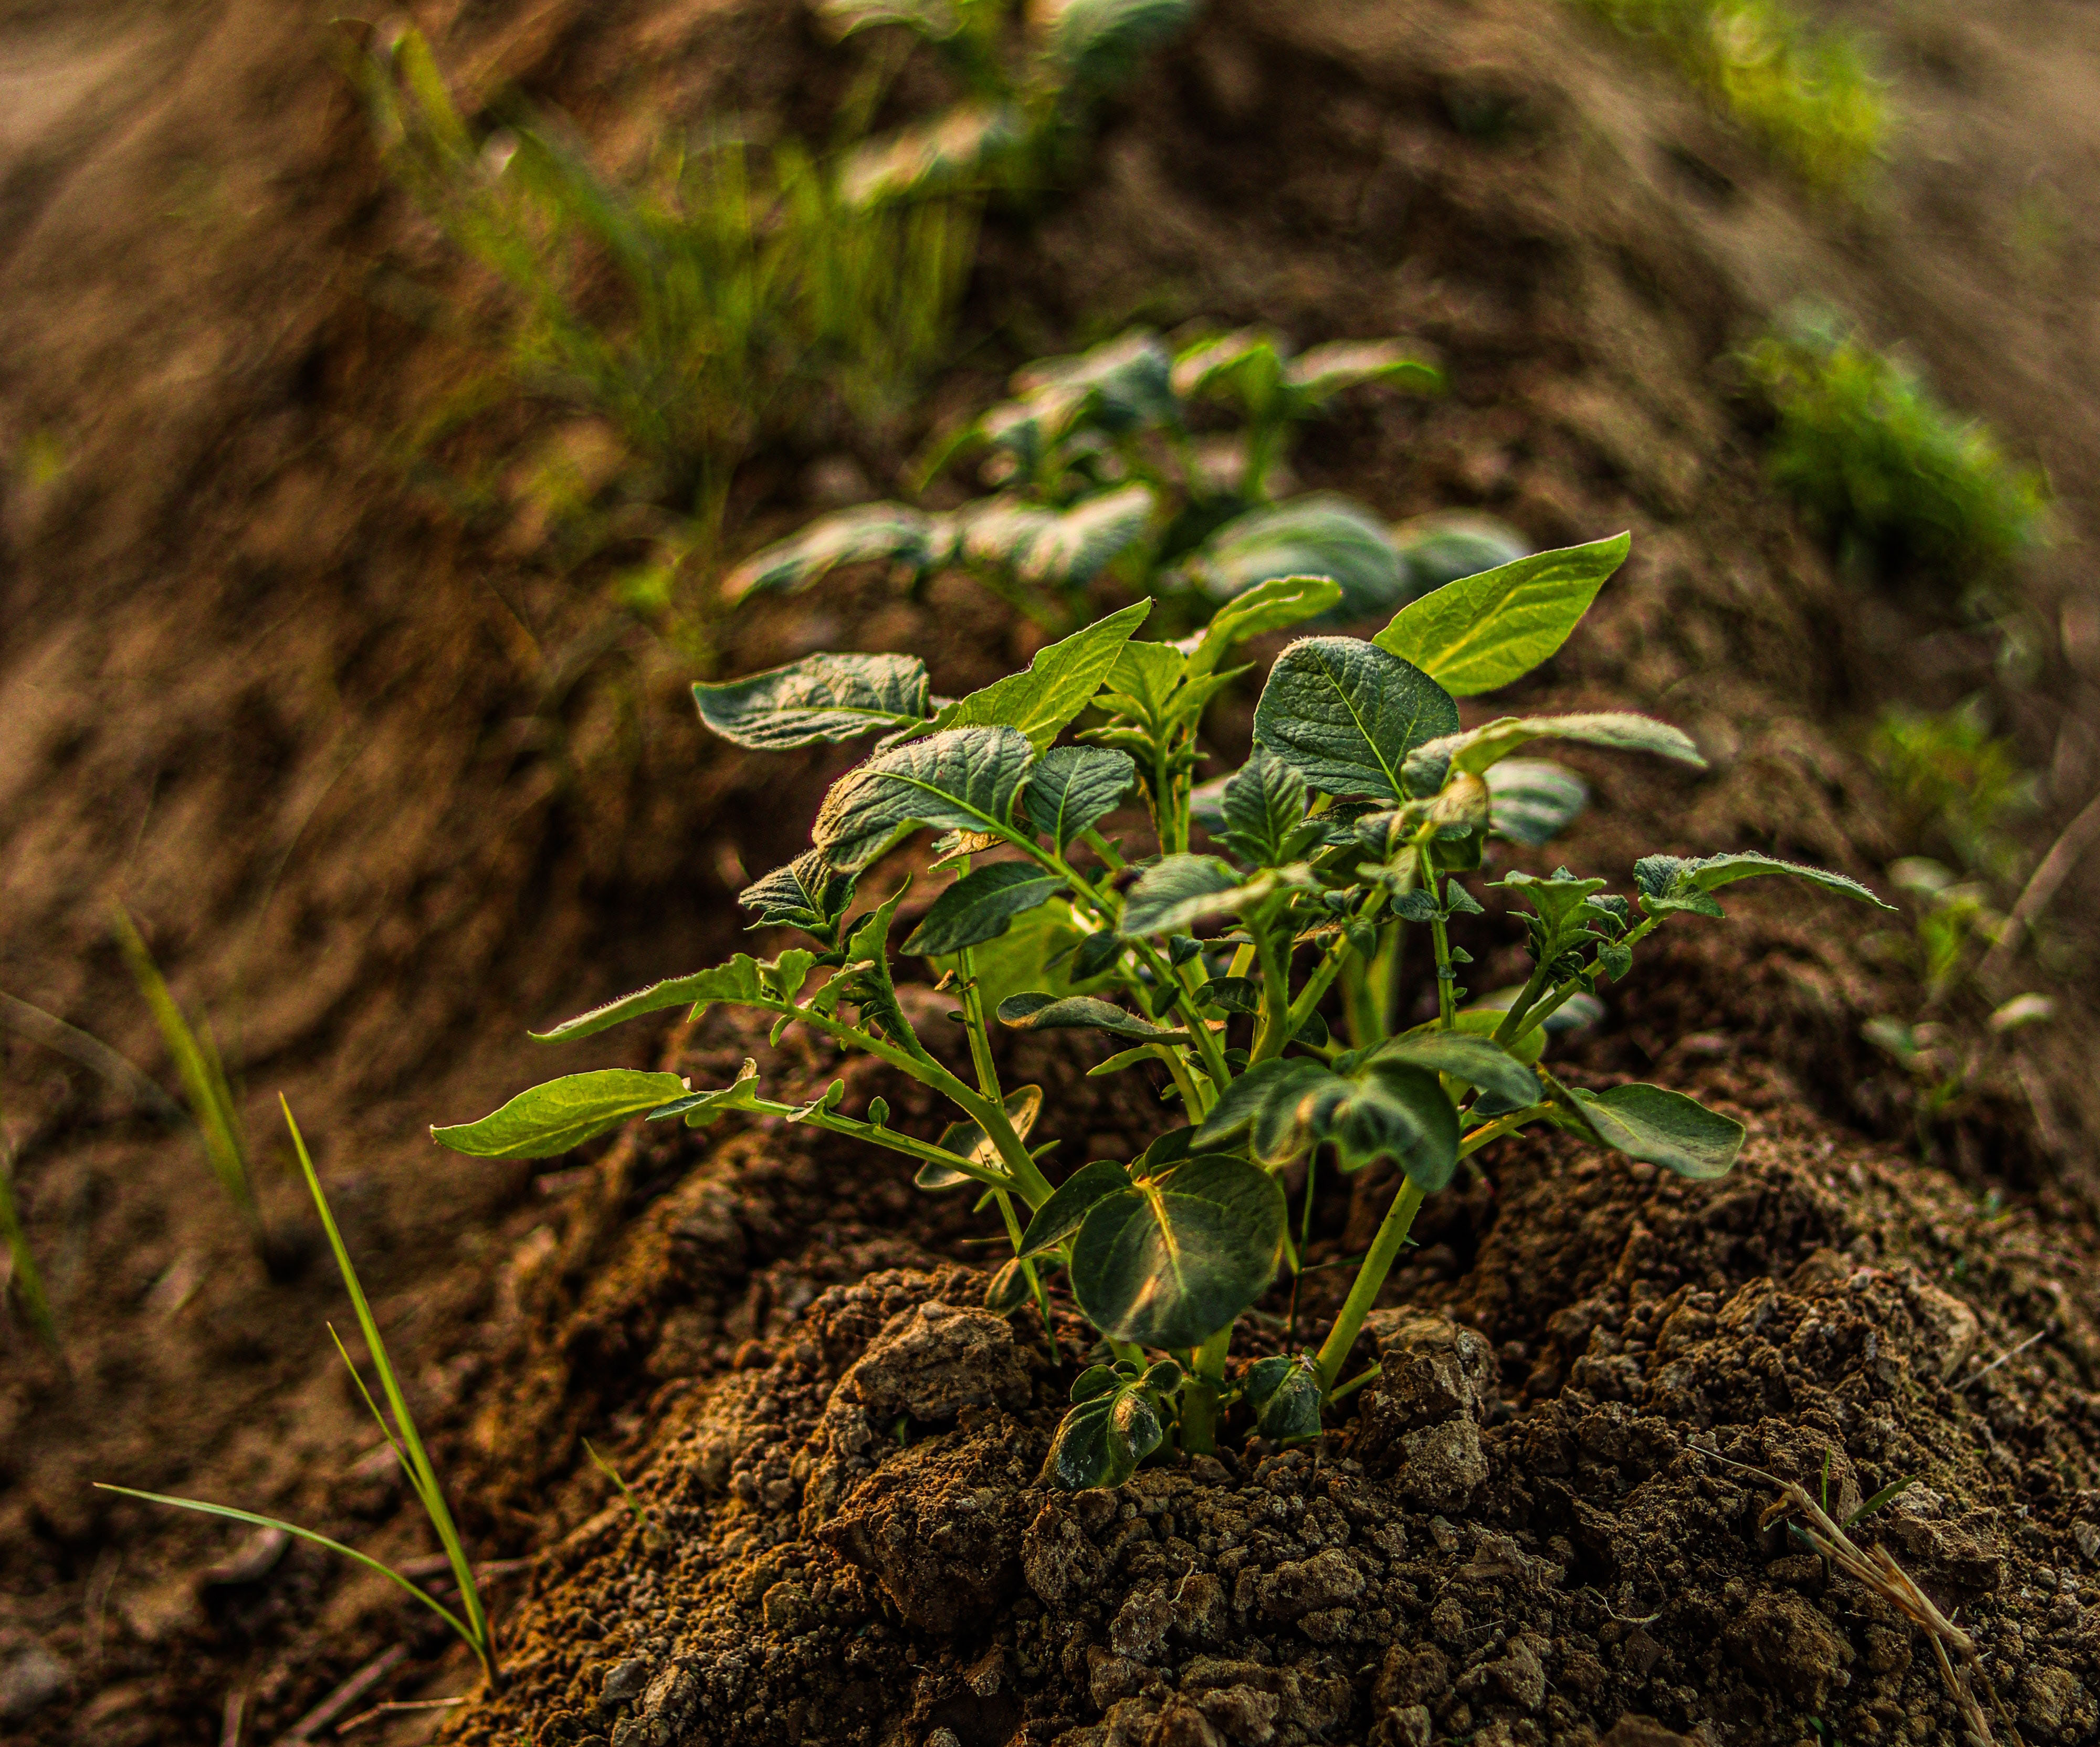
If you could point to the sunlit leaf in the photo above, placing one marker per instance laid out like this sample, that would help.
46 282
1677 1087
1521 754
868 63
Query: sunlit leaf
1273 606
869 533
1041 700
1657 1126
1059 549
826 697
1062 1215
953 150
964 780
808 894
1098 43
699 1109
1126 381
1323 371
1481 748
1102 1439
1074 787
561 1114
1071 1012
744 981
968 1139
1346 715
1674 882
1173 895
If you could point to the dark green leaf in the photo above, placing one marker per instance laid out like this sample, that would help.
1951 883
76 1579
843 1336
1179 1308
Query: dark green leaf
1671 882
869 533
1286 1395
1231 995
864 979
1566 910
1101 1441
1059 1217
1043 699
1320 534
818 697
967 1140
1264 804
1008 1291
1127 382
1181 1254
964 780
1384 1109
1162 1376
1449 545
1096 1380
1530 801
561 1114
1170 895
744 981
1074 787
980 905
1477 1061
1045 1013
1489 630
1346 715
808 894
1662 1127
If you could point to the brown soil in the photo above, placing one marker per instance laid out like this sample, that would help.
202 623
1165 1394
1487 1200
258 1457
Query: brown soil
384 788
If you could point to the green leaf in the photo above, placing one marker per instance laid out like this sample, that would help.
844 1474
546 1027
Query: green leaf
1008 1291
1448 546
1264 804
1662 1127
1180 1255
1172 894
968 1139
1073 786
808 894
1271 605
1484 1022
701 1107
1346 715
1672 882
980 905
1324 370
1530 801
964 780
1059 549
1062 1215
1477 1061
1480 749
818 697
1060 682
1127 382
1148 676
1320 534
1070 1013
744 981
1384 1109
561 1114
935 19
1286 1395
864 979
1101 1441
1489 630
869 533
1249 361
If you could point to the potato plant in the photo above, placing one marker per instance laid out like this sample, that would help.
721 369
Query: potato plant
1161 466
1266 978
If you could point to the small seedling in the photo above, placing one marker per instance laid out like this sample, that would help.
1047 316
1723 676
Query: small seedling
1805 92
1335 859
471 1621
1157 466
1955 783
209 1095
24 1283
1889 474
626 1491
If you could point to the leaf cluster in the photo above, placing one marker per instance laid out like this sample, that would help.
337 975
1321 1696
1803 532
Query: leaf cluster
1330 860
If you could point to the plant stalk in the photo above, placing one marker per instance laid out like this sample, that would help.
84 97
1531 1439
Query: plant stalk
1369 1282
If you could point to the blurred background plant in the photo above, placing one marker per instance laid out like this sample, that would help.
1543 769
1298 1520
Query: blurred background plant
1164 469
1886 472
1806 92
23 1287
726 297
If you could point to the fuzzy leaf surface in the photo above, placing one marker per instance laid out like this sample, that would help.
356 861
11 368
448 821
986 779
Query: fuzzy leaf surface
1264 803
1480 749
1078 1013
562 1114
744 981
827 697
808 894
1345 715
1180 1254
980 905
1674 882
701 1107
1661 1127
964 780
1074 786
1489 630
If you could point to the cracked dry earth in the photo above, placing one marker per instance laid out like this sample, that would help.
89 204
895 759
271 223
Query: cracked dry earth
1523 1535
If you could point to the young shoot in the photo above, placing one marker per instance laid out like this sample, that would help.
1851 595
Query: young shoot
1267 980
25 1283
397 1425
213 1111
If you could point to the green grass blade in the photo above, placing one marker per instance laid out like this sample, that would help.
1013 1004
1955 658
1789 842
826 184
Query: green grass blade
29 1284
235 1515
385 1431
203 1078
422 1474
612 1474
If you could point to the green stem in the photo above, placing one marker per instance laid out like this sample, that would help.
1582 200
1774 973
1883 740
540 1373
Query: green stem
1369 1282
1199 1396
1274 1030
